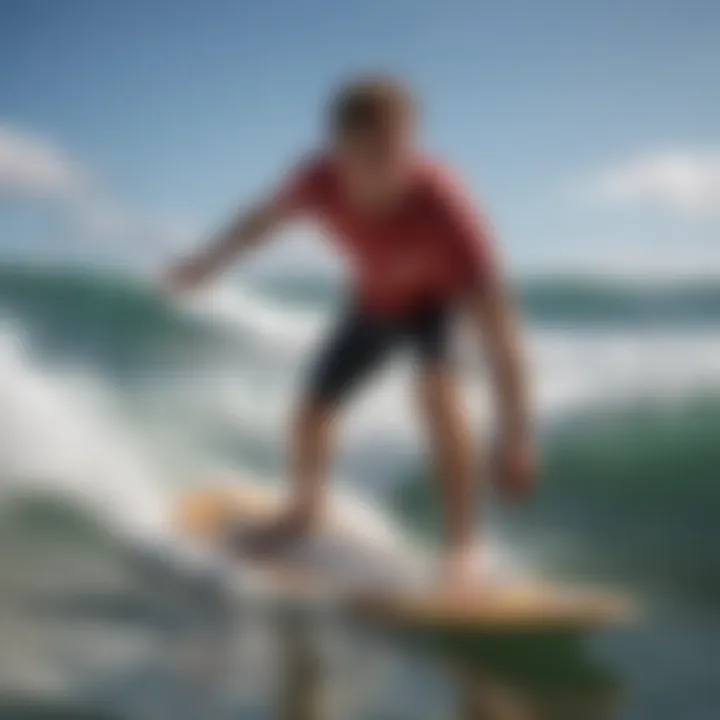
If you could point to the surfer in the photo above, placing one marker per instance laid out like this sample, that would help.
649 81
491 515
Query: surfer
420 253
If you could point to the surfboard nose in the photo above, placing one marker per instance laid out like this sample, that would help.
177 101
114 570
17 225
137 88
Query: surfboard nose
202 514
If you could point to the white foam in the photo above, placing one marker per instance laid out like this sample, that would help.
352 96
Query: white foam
58 430
57 435
237 309
571 369
587 369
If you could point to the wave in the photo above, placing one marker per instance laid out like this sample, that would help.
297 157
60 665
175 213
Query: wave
124 320
113 393
627 494
60 435
557 299
647 462
223 366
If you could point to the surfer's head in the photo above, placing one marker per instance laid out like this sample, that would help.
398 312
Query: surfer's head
372 124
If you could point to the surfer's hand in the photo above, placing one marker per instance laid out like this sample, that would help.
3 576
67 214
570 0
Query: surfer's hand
514 465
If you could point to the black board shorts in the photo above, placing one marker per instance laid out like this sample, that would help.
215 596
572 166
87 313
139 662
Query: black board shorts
361 342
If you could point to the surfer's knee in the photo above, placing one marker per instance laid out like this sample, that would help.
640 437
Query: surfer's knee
448 425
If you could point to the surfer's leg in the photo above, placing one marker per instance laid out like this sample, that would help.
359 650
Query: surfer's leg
450 437
355 348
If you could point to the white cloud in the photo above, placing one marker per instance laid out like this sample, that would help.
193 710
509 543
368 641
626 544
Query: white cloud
105 220
686 182
33 166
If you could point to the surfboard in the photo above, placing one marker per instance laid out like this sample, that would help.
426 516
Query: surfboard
392 597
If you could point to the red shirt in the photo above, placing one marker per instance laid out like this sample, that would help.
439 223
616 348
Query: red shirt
431 247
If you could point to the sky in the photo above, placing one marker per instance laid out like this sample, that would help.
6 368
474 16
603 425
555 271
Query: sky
590 131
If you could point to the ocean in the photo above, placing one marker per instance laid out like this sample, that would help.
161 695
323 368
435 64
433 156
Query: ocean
114 398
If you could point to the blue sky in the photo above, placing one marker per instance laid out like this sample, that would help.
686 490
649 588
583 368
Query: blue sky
589 129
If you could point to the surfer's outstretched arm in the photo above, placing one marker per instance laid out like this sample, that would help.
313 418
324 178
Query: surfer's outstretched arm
493 313
484 290
246 231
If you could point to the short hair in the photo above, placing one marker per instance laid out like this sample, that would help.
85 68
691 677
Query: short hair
370 104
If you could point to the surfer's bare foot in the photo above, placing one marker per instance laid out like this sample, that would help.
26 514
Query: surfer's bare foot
277 535
461 568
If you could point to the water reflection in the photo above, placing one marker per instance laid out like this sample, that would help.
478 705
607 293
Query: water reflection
306 665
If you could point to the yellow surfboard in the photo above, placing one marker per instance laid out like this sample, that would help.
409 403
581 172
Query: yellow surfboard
208 514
